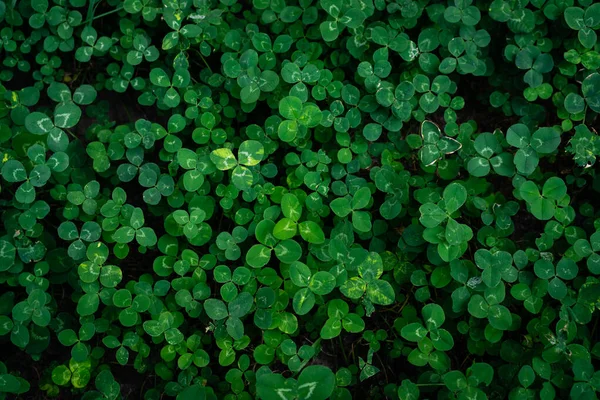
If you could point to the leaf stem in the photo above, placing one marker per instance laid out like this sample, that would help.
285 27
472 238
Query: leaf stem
203 59
72 134
343 350
92 9
205 62
102 15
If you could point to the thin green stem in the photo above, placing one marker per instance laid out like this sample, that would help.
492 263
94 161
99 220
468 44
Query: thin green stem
343 349
103 15
91 9
71 133
204 60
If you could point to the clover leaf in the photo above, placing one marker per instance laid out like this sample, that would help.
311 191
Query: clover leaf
531 146
435 146
488 306
543 205
299 117
584 22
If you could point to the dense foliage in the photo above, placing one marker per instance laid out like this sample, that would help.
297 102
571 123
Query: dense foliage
299 199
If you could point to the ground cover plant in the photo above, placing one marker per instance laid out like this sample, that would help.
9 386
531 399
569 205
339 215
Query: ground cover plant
299 199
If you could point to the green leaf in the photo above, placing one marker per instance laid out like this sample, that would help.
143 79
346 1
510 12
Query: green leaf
341 207
361 221
159 77
554 188
322 283
380 292
7 255
408 390
14 171
250 153
303 301
240 306
543 209
316 382
124 234
291 207
329 30
361 198
413 332
311 232
258 256
146 237
290 107
526 376
38 123
193 392
285 229
433 316
590 88
500 317
61 375
371 268
518 136
432 215
66 115
88 304
354 288
545 140
455 195
574 16
287 130
223 159
271 386
455 381
215 309
300 274
241 177
529 191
